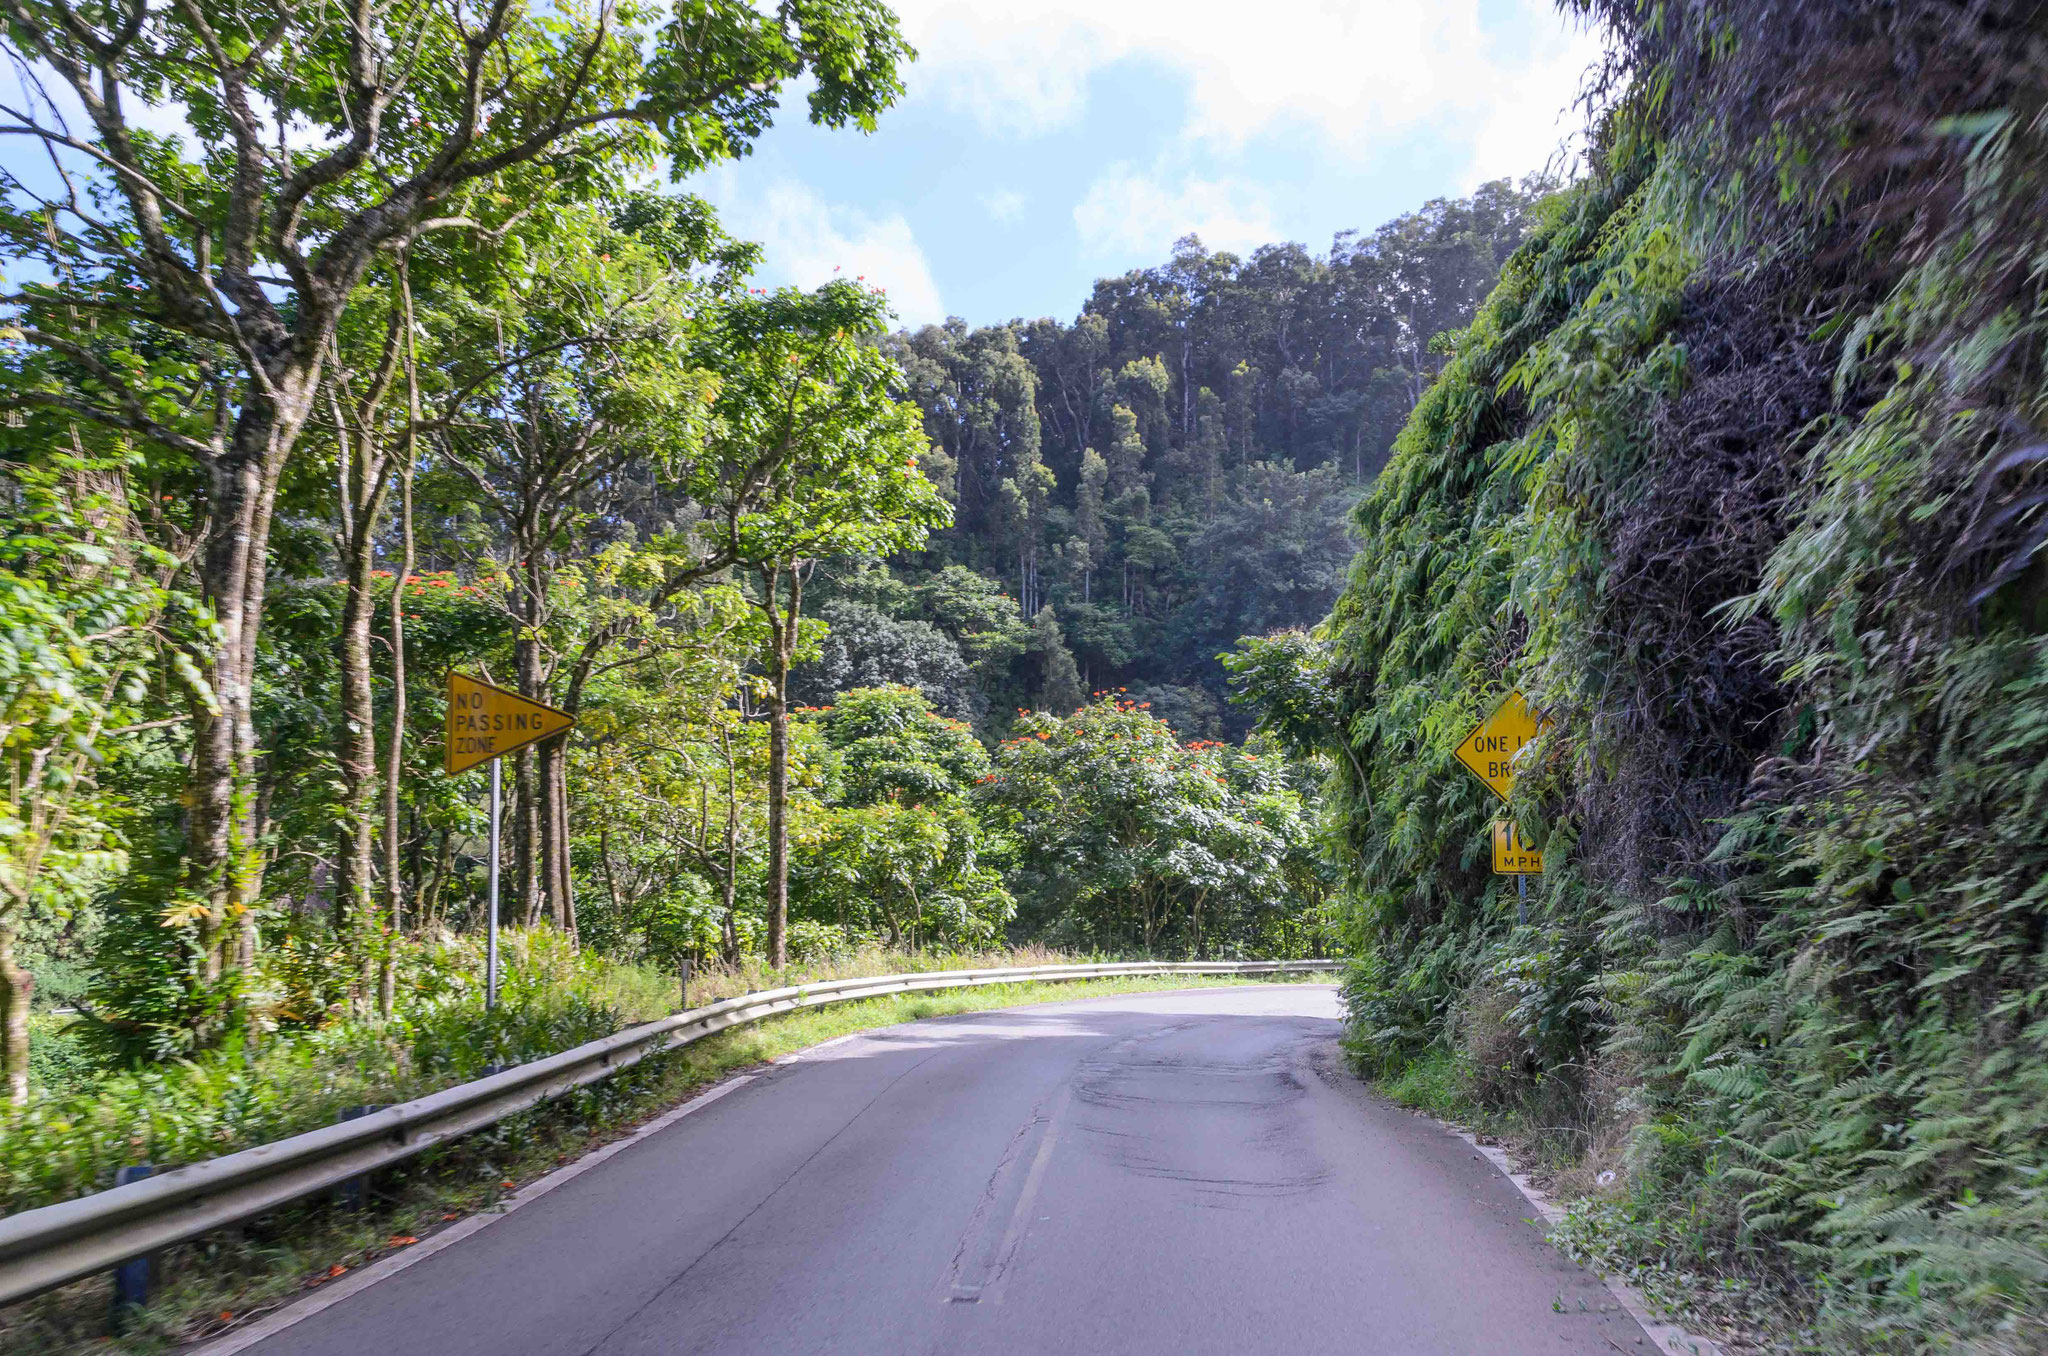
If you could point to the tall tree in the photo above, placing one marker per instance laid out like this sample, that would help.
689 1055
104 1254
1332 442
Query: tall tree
367 443
568 399
810 454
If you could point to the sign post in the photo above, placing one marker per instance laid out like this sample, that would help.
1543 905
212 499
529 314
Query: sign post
1489 753
491 945
1512 856
484 724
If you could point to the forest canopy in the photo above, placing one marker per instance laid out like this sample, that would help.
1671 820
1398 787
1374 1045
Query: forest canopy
1173 469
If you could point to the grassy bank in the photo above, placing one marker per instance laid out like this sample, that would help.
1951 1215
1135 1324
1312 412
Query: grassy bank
228 1279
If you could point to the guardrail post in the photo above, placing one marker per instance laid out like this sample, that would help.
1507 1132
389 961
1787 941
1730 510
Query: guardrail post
132 1277
351 1192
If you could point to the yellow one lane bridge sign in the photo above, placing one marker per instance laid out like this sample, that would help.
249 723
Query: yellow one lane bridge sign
1489 751
485 722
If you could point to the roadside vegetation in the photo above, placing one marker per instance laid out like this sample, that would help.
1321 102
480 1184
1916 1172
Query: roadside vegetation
68 1140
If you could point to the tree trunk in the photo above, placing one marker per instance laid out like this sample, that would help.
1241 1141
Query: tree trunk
362 485
533 847
429 912
213 842
17 986
729 938
223 867
729 929
394 758
526 837
554 780
548 763
782 645
355 862
362 482
1187 391
778 814
554 809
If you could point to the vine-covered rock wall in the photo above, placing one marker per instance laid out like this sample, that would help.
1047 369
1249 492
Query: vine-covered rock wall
1740 475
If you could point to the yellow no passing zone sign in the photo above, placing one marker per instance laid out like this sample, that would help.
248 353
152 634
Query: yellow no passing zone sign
1512 855
485 722
1489 751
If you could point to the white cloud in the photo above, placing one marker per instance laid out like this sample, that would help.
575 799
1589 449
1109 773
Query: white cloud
1130 212
1004 205
1534 116
1353 70
807 241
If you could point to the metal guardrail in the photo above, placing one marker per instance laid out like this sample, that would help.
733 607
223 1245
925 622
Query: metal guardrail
47 1247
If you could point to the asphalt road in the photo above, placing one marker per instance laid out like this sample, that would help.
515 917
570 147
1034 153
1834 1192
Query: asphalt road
1182 1173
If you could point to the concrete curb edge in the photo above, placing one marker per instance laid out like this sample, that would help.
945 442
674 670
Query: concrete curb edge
1669 1337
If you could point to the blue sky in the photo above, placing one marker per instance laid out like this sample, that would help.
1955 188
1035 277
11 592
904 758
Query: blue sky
1049 143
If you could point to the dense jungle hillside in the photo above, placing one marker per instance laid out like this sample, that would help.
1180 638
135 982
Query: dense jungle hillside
1168 472
1739 475
1152 633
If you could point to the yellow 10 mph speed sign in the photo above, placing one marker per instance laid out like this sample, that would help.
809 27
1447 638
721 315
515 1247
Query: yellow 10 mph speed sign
1512 855
1489 751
